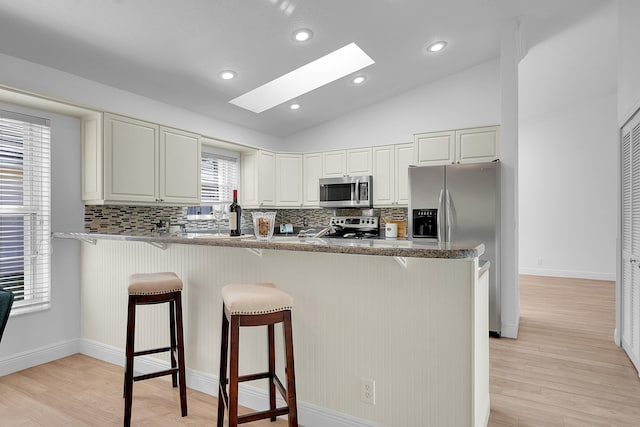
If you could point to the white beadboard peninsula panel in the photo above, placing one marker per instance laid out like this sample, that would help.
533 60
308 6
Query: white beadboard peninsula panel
409 329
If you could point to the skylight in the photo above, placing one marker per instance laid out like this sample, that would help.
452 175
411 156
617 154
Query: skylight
313 75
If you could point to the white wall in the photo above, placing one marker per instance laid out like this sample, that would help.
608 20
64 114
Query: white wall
466 99
629 59
41 80
568 152
45 335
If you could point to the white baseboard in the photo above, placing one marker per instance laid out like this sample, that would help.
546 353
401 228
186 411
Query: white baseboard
28 359
547 272
252 397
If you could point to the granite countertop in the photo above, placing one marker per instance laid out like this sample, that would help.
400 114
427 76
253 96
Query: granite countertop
394 248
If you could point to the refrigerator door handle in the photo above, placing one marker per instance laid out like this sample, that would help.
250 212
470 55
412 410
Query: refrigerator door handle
441 235
449 219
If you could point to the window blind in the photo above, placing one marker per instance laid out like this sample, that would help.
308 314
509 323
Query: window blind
25 209
219 177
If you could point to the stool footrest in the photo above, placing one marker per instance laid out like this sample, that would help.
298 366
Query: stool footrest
262 415
155 374
254 377
152 351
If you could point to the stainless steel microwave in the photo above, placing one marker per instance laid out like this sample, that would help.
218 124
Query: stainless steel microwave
347 192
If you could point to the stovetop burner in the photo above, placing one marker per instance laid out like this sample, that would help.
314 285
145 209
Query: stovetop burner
355 227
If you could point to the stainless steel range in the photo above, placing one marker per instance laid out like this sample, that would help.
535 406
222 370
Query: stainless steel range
354 227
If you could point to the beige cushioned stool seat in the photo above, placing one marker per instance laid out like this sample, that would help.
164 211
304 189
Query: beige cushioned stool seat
154 283
255 298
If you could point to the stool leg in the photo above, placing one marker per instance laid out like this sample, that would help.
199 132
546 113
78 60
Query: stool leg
128 370
222 377
272 368
172 332
290 371
233 371
181 372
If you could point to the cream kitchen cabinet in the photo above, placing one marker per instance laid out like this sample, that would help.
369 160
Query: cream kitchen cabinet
356 161
258 172
334 163
312 170
128 161
289 180
383 175
474 145
359 161
390 175
404 157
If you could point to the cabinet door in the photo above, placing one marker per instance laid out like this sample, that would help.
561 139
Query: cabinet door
131 159
477 145
383 175
435 148
92 161
249 179
179 167
289 179
312 168
334 163
359 161
404 157
266 178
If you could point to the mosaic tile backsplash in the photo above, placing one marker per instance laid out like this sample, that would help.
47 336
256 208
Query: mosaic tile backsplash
141 219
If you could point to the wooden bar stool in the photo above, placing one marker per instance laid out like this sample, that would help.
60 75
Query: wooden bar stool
155 288
259 304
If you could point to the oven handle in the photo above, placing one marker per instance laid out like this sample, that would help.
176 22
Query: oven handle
357 190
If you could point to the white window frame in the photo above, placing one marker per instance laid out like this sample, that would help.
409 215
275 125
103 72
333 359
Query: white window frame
36 212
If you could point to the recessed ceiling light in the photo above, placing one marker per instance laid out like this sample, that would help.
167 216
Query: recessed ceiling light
294 106
359 79
227 74
436 46
302 35
331 67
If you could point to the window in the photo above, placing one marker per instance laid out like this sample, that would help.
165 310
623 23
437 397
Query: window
218 175
25 183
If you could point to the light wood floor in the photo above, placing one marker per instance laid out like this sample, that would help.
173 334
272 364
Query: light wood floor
563 370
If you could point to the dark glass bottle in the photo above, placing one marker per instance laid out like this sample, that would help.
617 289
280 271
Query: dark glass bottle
235 216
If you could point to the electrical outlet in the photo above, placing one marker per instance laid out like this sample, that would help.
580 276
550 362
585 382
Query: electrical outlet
538 261
368 391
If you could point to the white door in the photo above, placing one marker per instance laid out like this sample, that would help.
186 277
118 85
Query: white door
630 197
179 167
288 179
383 175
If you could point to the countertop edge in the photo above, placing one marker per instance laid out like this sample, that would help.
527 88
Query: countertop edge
434 250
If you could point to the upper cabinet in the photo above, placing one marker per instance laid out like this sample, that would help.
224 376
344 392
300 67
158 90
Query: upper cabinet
359 161
474 145
312 170
390 174
356 161
258 178
289 181
334 163
131 161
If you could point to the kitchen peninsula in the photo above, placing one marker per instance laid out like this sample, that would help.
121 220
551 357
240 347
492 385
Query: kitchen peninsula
411 317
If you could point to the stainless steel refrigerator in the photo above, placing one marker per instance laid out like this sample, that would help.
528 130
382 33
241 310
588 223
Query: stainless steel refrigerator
460 203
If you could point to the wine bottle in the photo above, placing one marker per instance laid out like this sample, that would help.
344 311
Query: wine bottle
235 216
